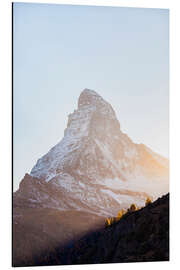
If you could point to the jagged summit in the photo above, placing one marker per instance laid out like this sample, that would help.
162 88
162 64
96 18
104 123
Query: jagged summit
91 99
88 97
88 91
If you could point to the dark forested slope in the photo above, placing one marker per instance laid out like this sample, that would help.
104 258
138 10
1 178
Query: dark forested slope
139 236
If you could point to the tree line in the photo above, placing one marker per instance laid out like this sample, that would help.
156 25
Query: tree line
111 220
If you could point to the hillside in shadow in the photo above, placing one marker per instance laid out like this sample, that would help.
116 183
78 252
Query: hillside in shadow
139 236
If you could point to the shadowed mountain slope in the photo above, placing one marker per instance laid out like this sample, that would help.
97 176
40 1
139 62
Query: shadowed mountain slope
139 236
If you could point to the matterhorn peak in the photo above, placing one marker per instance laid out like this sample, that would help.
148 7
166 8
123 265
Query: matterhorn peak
88 91
87 97
90 98
95 149
93 121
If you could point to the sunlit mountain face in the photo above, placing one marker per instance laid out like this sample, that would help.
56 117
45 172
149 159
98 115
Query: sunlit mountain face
97 164
92 173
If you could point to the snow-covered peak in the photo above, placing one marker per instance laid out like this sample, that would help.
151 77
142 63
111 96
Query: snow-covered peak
93 121
94 148
96 167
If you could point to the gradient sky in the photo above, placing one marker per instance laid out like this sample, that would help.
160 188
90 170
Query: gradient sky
122 53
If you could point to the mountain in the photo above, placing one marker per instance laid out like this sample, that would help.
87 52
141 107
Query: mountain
98 166
139 236
95 170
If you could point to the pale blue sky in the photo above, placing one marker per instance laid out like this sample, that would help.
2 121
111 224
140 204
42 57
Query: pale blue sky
122 53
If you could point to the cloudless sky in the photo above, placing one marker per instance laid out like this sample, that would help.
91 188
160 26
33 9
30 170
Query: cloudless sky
122 53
